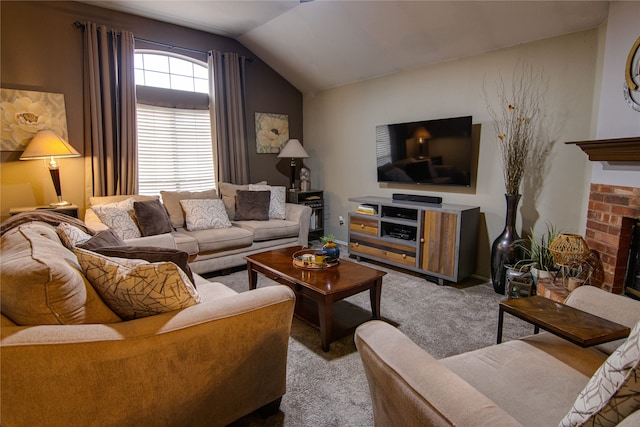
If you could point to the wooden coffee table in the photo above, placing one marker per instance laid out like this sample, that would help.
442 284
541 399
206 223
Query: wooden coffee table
324 288
577 326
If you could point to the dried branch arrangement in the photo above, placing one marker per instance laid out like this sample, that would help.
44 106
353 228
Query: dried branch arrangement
517 121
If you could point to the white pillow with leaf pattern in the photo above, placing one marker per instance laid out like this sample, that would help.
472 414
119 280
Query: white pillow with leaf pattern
119 217
71 236
203 214
613 392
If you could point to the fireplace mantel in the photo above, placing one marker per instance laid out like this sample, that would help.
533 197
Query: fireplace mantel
611 150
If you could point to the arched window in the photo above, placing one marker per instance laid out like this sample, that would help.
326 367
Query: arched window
175 150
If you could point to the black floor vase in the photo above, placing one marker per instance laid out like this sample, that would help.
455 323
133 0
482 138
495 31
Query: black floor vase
503 251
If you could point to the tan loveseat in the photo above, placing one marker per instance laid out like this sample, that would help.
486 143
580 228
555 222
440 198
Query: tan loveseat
533 381
68 360
217 249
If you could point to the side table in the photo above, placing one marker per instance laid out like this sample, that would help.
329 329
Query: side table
71 210
315 200
577 326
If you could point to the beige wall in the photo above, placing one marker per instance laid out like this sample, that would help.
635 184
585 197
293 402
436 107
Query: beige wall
616 119
340 123
42 51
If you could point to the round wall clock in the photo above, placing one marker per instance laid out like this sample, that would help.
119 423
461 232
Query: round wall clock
632 77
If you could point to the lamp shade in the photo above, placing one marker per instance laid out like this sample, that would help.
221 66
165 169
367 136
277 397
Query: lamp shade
569 249
47 144
421 133
294 150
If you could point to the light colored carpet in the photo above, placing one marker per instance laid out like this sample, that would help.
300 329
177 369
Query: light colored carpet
330 389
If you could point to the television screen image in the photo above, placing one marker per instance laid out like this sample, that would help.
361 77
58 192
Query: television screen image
435 152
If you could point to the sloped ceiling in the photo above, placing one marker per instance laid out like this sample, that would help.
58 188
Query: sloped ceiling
322 44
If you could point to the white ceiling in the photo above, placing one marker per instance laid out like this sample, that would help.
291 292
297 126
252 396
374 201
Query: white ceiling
322 44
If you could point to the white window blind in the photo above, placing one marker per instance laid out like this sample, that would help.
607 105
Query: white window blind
383 145
174 150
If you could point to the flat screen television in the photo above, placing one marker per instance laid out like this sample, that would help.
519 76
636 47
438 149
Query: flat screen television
432 152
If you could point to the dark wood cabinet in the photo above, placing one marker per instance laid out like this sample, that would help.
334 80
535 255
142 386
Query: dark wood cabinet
436 240
315 200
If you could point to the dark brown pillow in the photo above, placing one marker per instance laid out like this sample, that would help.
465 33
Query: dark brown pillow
252 205
150 254
101 239
152 217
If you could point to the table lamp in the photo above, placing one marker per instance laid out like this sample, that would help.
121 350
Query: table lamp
422 135
49 146
294 150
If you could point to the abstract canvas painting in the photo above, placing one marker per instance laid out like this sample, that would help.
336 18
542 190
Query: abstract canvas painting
26 112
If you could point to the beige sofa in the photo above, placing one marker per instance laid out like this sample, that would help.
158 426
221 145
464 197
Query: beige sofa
217 249
533 381
72 361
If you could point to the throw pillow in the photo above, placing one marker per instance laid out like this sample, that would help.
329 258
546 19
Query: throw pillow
228 194
150 254
171 200
136 288
152 218
101 239
252 205
203 214
277 203
119 216
70 235
613 392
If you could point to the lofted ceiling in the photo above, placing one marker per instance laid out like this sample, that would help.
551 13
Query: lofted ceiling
322 44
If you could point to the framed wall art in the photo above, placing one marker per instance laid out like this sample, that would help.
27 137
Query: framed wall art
26 112
272 132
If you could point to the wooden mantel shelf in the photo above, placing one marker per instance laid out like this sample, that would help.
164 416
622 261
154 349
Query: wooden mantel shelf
611 150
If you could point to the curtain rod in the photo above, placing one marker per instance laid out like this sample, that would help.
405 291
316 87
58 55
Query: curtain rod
79 24
172 47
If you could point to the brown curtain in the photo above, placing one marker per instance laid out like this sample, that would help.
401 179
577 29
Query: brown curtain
110 112
227 91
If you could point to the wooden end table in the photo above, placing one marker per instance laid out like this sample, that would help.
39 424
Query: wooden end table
577 326
323 287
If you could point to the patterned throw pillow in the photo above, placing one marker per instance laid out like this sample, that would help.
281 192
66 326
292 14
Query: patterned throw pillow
203 214
70 235
119 216
171 201
277 202
137 288
613 392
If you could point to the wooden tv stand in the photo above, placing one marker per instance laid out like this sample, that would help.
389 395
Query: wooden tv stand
438 240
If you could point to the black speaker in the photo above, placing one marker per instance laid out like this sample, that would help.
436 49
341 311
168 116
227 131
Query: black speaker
416 198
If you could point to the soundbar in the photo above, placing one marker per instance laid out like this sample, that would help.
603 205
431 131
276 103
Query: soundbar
416 198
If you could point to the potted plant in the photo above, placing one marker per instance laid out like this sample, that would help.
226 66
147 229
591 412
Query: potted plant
537 256
330 246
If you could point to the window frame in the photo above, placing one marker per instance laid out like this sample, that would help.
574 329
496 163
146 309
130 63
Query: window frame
177 99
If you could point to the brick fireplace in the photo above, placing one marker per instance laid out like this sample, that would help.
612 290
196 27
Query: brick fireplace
612 212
